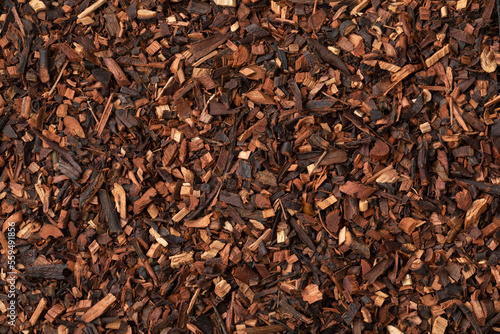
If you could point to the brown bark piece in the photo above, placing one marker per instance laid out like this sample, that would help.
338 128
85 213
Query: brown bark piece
357 245
273 166
475 211
48 230
208 45
170 154
74 126
105 115
38 311
357 190
375 272
143 202
98 309
463 199
380 150
199 223
311 294
117 72
407 225
54 312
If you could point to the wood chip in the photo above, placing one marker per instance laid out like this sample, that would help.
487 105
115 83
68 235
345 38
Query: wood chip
98 309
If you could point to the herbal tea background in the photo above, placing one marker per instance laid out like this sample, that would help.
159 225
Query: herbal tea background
249 166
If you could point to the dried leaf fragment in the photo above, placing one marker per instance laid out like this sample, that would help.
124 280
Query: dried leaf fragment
259 97
49 230
74 126
488 62
120 200
142 202
475 211
389 176
199 223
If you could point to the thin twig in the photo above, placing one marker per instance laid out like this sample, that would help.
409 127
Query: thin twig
317 163
324 226
64 153
202 207
219 318
336 99
193 300
283 209
493 320
92 111
470 317
49 93
169 82
5 118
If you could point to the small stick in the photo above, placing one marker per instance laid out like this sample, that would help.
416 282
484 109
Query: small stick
19 22
336 99
58 149
38 311
169 82
450 107
316 4
193 300
319 161
92 111
208 102
486 187
44 65
452 234
110 212
5 118
220 322
105 115
283 209
266 329
324 226
470 317
496 318
46 95
310 2
376 175
230 313
143 260
91 9
211 196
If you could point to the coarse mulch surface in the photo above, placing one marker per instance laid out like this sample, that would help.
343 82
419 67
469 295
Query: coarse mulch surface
255 167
